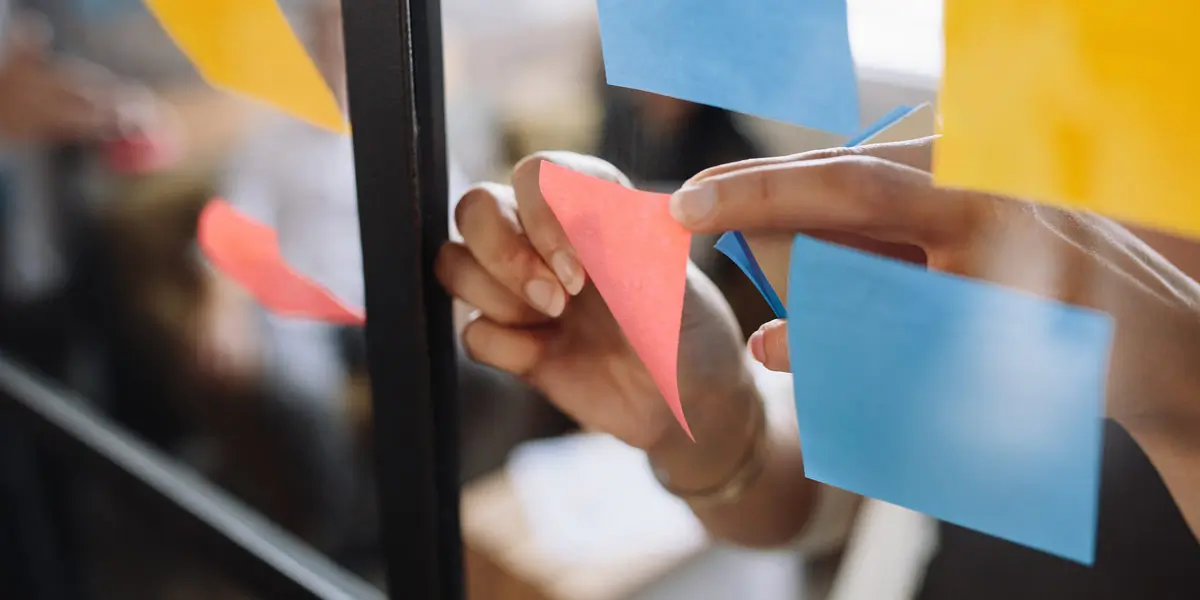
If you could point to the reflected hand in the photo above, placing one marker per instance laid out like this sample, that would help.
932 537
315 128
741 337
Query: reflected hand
223 336
44 100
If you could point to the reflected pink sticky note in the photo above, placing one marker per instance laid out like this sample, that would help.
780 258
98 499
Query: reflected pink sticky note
636 254
247 252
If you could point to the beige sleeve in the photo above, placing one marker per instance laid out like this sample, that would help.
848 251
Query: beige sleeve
886 554
829 527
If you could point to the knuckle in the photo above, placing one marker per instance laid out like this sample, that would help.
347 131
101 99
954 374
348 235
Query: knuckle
511 313
447 264
514 256
472 209
861 178
472 344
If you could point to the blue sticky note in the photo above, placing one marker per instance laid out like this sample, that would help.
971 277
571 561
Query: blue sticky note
976 404
787 60
733 244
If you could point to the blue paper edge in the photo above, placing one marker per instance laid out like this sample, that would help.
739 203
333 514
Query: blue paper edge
733 245
738 250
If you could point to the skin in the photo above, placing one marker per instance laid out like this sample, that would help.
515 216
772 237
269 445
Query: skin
46 99
538 317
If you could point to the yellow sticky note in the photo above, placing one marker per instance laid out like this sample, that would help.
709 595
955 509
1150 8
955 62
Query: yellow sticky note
1085 104
247 46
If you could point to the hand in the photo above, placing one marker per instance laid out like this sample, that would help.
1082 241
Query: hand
540 319
45 101
222 335
882 199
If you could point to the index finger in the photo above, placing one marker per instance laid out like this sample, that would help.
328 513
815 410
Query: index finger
538 220
855 194
917 154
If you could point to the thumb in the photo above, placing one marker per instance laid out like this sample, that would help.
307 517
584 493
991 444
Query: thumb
769 346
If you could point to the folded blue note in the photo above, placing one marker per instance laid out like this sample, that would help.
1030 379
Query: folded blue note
973 403
733 244
787 60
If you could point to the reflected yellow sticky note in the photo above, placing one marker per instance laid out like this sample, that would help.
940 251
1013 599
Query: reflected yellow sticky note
1085 104
247 46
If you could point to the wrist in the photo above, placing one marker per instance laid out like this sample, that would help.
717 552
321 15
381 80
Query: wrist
726 431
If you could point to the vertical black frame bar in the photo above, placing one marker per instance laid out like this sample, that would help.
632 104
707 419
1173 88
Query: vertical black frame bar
397 110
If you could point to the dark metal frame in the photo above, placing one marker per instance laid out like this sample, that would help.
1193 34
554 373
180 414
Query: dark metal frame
397 109
255 552
394 65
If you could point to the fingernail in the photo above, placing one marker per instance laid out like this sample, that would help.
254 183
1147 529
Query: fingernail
758 348
546 296
693 203
568 270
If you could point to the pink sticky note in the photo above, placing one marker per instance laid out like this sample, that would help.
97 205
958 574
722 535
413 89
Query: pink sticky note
247 252
636 254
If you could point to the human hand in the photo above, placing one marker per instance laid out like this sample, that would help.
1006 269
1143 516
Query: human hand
882 199
47 100
542 320
222 337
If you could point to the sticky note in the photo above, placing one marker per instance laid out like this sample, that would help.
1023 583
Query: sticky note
1084 105
247 46
636 255
973 403
787 60
733 245
902 123
247 252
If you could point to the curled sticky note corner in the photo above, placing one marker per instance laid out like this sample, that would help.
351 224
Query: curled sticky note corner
636 255
248 252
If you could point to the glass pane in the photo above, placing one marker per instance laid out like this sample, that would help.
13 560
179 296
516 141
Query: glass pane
581 514
575 513
114 151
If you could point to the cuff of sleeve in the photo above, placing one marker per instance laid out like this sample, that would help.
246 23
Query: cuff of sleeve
829 526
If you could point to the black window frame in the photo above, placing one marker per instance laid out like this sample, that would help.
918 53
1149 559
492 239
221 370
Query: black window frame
397 110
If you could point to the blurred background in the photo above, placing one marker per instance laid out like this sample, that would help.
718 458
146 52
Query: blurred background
110 146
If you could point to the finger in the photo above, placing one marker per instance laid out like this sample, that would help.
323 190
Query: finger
87 74
538 220
136 110
855 194
69 116
517 351
917 154
769 346
94 87
487 220
465 279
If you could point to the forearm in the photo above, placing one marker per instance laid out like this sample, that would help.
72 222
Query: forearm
776 503
773 509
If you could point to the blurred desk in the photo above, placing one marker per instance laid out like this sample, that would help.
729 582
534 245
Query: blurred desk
580 518
503 561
